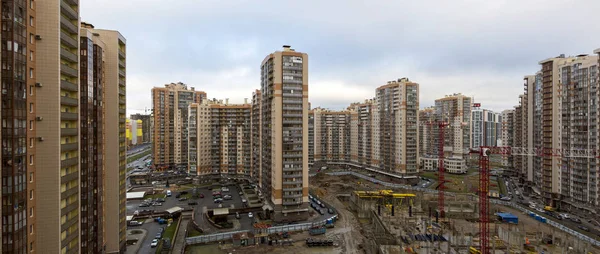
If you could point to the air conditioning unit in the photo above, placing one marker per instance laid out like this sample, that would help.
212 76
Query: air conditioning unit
39 118
40 138
38 84
38 37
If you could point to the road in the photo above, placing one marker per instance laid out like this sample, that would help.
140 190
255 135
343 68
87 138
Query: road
152 228
138 149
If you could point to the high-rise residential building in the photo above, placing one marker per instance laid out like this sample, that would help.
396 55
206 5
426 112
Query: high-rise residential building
91 140
398 109
332 129
517 136
219 139
367 133
170 109
134 132
428 159
455 110
578 103
57 176
146 127
507 139
255 133
486 128
114 137
526 127
284 133
19 143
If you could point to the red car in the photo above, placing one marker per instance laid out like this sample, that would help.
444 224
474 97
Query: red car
201 195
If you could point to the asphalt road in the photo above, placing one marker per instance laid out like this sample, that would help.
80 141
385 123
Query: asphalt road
152 228
138 149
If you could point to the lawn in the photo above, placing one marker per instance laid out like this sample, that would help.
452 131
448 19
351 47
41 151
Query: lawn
193 232
138 156
170 231
502 186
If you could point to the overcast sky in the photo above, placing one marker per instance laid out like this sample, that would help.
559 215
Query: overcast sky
478 48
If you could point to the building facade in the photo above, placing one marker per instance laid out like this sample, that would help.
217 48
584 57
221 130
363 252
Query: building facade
145 127
486 128
134 132
455 110
398 109
219 139
170 109
507 139
284 133
332 132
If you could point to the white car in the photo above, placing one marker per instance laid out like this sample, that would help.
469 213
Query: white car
154 243
250 215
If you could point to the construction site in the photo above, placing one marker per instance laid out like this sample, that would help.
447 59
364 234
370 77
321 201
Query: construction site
397 221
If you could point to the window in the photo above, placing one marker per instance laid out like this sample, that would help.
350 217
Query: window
30 159
31 177
30 211
30 107
31 229
30 20
31 38
30 194
30 72
31 55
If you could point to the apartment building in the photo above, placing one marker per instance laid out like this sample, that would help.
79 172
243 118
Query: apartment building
517 136
486 128
398 108
507 139
145 127
219 139
170 107
455 109
332 129
527 129
256 134
366 134
284 133
134 132
578 102
19 127
57 176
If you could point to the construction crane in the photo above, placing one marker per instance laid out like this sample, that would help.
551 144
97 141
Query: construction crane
441 125
389 196
484 177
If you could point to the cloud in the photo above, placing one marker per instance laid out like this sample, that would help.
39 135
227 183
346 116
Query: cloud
479 48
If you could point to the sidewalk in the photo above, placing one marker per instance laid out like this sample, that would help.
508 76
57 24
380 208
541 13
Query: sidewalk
180 236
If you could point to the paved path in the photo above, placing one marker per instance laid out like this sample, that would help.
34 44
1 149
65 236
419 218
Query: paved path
180 236
133 249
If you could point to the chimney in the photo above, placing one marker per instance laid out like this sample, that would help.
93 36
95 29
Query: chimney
286 47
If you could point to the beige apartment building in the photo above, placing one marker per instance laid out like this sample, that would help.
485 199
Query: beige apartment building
81 109
170 104
333 132
398 108
365 133
284 133
507 135
219 139
454 109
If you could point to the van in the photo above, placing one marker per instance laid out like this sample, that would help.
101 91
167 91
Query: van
168 193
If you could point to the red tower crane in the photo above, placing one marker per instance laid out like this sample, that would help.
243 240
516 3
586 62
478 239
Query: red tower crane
441 125
484 177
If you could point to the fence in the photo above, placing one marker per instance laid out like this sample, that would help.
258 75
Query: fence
277 229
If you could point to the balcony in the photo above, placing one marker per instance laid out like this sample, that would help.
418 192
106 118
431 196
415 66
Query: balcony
66 116
122 101
69 177
67 55
66 24
68 10
69 162
70 207
292 202
121 111
68 101
121 73
121 54
69 147
72 2
65 69
68 132
68 86
67 40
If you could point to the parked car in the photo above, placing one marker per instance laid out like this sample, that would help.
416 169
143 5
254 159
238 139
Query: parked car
225 189
584 228
135 223
183 192
576 220
183 199
154 243
227 197
168 193
160 200
244 200
330 211
250 215
193 203
241 193
218 200
321 211
158 236
178 195
144 205
201 195
322 205
157 204
237 215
